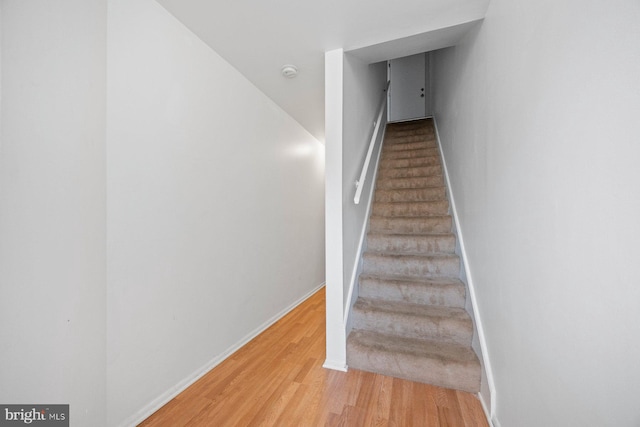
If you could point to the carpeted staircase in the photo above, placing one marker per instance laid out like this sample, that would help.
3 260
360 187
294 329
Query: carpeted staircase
409 320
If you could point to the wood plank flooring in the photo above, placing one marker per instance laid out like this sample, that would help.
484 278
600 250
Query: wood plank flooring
278 380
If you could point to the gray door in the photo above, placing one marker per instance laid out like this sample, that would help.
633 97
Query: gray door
407 90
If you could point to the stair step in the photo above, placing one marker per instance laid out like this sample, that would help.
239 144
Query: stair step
404 146
406 225
412 162
445 324
390 264
442 364
404 131
413 124
412 244
392 139
417 182
439 291
411 194
401 209
408 128
396 138
423 133
407 154
410 172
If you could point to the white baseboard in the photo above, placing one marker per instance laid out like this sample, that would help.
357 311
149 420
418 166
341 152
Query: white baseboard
334 365
165 397
470 283
487 414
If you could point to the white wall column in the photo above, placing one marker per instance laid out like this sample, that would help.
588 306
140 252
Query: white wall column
336 340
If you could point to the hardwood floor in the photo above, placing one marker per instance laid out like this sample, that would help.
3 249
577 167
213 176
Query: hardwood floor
278 380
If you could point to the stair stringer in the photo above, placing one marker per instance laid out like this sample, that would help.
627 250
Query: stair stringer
479 342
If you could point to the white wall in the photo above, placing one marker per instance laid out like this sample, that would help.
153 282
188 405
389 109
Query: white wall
215 208
52 205
428 96
363 91
538 113
354 90
336 357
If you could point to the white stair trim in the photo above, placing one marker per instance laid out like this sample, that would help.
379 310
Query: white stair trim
470 284
487 414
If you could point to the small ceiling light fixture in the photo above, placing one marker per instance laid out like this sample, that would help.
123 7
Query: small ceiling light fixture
289 71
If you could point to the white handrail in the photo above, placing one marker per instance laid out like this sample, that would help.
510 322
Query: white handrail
367 160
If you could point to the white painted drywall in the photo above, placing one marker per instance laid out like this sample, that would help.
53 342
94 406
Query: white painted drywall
538 114
428 96
52 205
258 37
336 357
215 207
414 44
354 90
0 75
364 86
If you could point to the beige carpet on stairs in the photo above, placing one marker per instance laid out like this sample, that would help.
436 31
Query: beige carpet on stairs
409 320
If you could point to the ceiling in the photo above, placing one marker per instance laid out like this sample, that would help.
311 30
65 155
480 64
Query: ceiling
258 37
